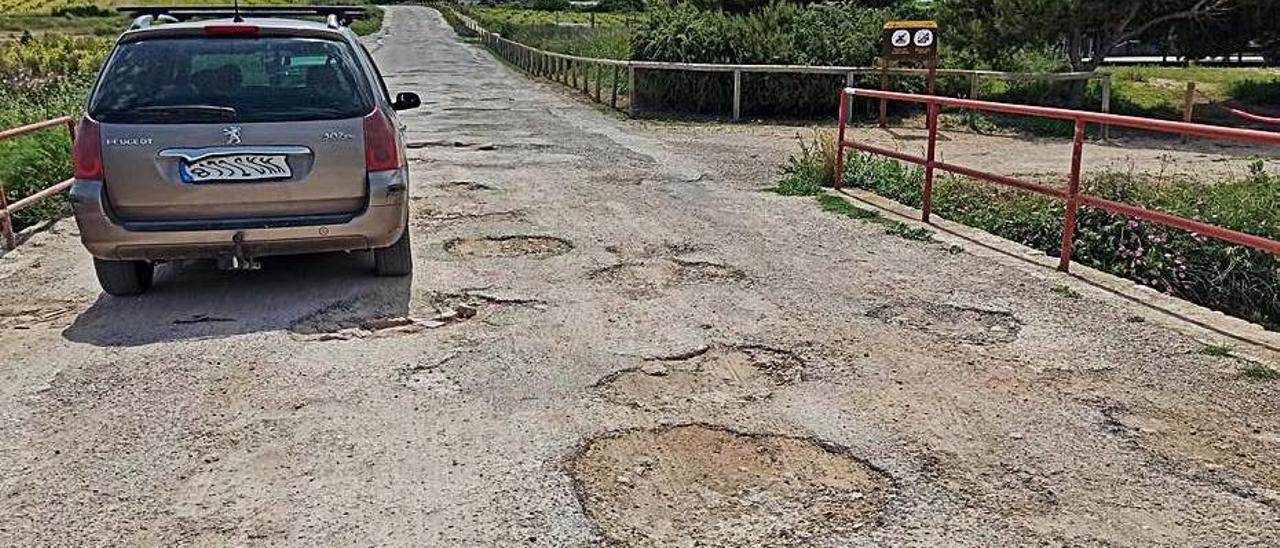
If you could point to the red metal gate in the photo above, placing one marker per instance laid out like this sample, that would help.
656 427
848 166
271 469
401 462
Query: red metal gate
1071 194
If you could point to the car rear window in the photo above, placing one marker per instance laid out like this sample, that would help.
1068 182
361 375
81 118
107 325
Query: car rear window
259 79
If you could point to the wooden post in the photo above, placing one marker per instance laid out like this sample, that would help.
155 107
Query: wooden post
613 102
884 86
598 78
632 97
932 79
6 221
1106 105
737 95
973 96
1188 106
848 112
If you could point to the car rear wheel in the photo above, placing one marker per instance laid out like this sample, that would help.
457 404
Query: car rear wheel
396 260
123 278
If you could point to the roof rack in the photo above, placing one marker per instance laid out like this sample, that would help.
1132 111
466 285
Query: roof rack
342 15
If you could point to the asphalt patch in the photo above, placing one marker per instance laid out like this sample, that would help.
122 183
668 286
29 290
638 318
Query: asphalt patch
723 375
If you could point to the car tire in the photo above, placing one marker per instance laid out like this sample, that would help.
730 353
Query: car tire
124 278
396 260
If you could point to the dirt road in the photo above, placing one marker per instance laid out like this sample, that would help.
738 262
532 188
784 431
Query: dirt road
657 357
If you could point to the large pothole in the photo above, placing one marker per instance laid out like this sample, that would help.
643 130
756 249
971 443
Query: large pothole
972 325
508 246
719 375
696 485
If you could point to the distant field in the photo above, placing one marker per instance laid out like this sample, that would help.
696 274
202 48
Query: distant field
38 17
33 7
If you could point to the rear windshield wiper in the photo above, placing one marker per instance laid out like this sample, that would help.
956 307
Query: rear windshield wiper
159 111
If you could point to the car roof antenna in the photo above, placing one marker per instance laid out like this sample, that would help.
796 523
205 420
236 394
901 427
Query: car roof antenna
236 18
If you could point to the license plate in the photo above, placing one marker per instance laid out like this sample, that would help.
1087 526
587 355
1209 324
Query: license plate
237 167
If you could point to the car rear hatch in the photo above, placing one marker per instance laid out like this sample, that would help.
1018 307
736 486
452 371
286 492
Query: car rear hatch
232 125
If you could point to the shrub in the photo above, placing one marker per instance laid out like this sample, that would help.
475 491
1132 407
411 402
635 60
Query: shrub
812 168
547 5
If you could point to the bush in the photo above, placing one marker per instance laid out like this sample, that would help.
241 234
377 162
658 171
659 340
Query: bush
1261 92
779 33
42 78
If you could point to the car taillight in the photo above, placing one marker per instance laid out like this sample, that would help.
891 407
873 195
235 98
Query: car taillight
230 30
381 151
86 153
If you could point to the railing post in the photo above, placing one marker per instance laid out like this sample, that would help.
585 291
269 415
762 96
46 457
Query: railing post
1188 106
6 221
737 95
632 96
838 181
1073 199
1106 105
927 209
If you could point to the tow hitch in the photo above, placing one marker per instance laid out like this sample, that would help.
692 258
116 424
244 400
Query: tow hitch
237 260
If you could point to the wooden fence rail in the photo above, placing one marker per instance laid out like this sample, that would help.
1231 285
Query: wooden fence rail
586 73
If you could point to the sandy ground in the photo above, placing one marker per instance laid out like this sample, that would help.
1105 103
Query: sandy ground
672 359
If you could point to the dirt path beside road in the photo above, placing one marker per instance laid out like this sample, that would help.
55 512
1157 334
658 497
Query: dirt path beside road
614 340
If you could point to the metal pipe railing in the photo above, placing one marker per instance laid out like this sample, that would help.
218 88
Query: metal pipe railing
8 209
1071 194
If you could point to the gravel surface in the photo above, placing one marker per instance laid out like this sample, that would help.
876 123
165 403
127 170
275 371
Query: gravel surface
611 283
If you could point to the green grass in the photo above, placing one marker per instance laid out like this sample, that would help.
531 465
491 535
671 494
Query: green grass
1217 350
840 206
1161 91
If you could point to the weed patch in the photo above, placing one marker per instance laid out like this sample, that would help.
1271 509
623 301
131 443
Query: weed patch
1066 291
1217 350
1257 372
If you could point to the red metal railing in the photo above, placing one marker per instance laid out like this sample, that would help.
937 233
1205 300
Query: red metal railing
7 209
1071 194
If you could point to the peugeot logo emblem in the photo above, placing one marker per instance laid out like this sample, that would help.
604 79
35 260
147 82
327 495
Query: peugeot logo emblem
233 134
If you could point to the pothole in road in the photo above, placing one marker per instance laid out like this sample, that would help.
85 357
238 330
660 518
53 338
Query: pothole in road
469 185
972 325
697 485
364 317
647 276
442 217
1226 446
537 247
711 376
